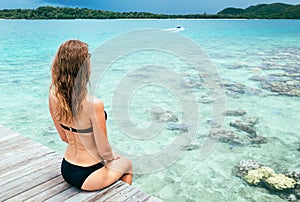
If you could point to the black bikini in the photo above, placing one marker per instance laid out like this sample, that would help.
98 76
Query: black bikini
88 130
74 174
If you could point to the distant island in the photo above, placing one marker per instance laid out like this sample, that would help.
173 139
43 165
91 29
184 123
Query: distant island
261 11
264 11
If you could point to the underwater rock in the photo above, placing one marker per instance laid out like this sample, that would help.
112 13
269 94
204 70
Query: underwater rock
275 78
49 130
191 85
190 147
234 113
192 81
295 175
235 66
177 126
292 70
259 140
160 114
213 124
288 88
255 69
232 94
254 91
225 136
296 192
238 124
250 120
237 88
284 185
291 197
244 167
206 101
257 78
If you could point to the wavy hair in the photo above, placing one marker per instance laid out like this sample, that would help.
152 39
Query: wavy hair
70 75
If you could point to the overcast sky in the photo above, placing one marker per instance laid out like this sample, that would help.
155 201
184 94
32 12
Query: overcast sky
154 6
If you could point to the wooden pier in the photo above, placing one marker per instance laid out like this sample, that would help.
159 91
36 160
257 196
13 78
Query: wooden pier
30 171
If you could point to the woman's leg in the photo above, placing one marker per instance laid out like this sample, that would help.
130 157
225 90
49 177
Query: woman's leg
117 169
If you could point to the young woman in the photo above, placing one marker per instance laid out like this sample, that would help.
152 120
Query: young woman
80 120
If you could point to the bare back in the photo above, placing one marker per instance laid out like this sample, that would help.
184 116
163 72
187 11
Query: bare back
83 148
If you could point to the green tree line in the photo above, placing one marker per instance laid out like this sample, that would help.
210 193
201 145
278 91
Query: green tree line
265 11
49 12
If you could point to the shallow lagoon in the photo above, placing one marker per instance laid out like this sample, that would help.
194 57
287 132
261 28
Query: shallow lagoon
240 49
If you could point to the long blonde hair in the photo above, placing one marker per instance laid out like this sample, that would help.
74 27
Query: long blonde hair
70 75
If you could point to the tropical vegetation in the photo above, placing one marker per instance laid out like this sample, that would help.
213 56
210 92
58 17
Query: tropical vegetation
261 11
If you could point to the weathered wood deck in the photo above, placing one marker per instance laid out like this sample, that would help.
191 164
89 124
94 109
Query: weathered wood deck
30 171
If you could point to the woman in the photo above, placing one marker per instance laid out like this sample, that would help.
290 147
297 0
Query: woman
79 118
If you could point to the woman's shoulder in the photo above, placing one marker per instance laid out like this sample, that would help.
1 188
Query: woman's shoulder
94 102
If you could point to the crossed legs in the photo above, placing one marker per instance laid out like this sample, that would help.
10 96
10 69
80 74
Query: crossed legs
120 168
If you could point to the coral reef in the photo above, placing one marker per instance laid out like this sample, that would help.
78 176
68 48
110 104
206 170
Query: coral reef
177 126
289 88
280 182
295 175
214 124
225 136
250 120
160 114
286 185
244 167
190 147
234 113
240 125
254 177
171 120
228 136
236 89
291 197
259 140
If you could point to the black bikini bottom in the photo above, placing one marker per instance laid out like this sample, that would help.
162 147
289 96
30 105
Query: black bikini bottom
76 175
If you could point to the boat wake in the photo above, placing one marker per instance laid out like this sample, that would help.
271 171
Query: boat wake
175 29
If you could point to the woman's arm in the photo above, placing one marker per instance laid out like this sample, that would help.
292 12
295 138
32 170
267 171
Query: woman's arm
52 105
99 128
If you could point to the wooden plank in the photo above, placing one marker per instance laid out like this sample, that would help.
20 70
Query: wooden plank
124 194
62 196
15 158
139 196
23 162
24 196
52 192
22 169
110 192
30 171
17 172
19 148
14 143
28 182
91 196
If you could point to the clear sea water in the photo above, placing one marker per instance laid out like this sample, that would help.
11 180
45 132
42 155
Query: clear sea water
239 49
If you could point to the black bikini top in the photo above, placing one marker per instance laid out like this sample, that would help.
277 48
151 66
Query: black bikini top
88 130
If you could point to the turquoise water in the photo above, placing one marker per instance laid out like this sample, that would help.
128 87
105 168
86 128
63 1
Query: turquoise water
238 48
